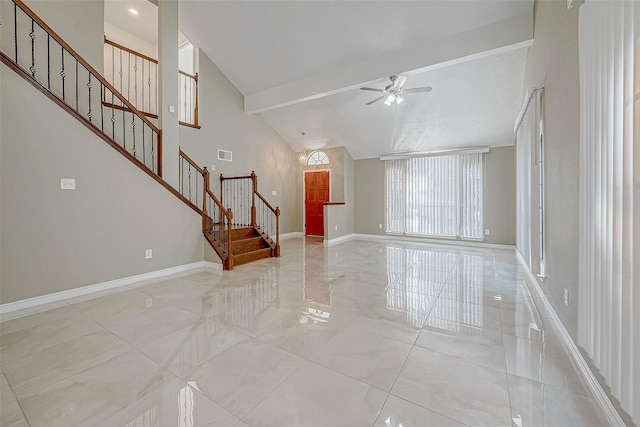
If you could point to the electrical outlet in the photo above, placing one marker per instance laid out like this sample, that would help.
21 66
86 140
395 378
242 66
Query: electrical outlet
566 297
149 302
380 226
148 253
67 184
336 228
213 167
274 193
487 232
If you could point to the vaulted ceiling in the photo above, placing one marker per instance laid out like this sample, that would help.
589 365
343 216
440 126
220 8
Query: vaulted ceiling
300 64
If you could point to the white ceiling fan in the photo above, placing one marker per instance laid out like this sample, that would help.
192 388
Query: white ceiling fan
393 91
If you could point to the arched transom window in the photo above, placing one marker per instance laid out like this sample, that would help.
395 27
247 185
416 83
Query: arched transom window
317 158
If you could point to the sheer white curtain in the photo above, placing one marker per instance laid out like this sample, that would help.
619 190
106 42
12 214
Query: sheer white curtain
528 183
609 305
435 196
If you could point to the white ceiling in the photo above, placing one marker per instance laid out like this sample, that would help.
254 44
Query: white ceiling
300 64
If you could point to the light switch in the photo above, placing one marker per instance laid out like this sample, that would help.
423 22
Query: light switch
172 109
274 193
67 184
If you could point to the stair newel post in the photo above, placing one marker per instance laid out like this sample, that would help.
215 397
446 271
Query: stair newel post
229 259
277 251
254 183
206 221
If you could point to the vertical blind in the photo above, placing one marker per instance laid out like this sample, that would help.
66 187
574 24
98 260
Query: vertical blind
609 300
529 196
435 196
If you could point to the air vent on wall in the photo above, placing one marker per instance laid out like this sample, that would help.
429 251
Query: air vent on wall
225 155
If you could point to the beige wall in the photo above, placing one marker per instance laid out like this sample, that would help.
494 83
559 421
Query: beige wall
553 62
498 192
255 145
369 209
499 205
335 221
54 240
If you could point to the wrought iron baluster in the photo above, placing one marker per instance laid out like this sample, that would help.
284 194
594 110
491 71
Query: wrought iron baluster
15 29
133 132
135 81
129 76
101 107
153 152
113 118
113 64
144 151
149 86
48 61
156 105
89 85
181 172
63 74
189 186
121 73
124 125
76 85
191 106
142 82
32 35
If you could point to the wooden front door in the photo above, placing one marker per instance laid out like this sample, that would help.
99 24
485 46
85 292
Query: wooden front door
316 192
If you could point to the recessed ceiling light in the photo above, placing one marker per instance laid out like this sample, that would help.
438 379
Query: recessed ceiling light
133 11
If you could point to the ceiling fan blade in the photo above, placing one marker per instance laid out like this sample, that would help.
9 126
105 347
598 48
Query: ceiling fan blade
400 81
417 89
372 88
377 99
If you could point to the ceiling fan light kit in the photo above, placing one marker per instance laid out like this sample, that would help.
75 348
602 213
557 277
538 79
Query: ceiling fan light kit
393 91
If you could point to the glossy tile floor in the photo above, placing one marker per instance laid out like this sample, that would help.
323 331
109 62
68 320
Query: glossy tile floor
360 334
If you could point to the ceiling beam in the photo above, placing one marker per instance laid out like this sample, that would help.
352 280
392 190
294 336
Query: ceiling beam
499 37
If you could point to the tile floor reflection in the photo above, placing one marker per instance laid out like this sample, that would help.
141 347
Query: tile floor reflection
359 334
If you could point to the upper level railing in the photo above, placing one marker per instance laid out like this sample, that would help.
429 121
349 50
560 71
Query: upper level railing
136 76
31 47
251 208
188 109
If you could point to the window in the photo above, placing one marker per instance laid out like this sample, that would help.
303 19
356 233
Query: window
317 158
435 196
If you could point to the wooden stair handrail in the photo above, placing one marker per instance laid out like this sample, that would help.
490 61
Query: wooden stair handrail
261 197
129 50
84 63
194 164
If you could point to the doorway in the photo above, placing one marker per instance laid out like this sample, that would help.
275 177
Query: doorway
316 192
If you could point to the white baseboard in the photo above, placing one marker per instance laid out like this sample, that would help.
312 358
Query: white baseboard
25 307
598 393
338 240
292 235
395 238
212 265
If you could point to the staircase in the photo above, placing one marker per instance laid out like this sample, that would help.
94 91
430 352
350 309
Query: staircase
247 245
239 233
247 229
